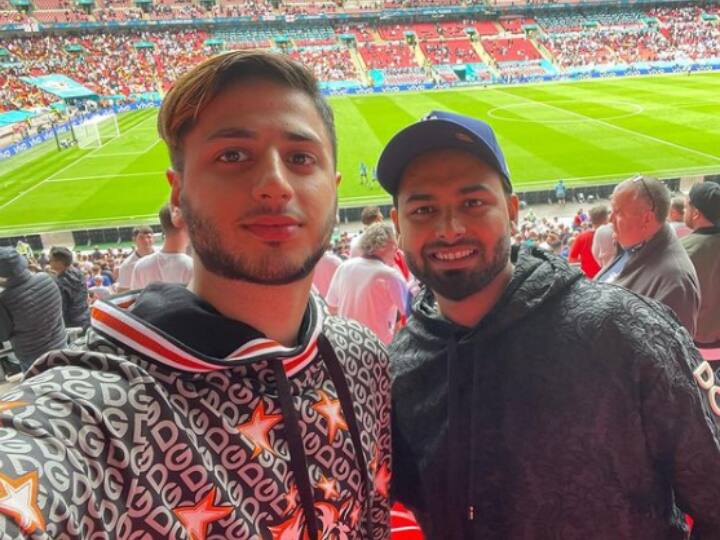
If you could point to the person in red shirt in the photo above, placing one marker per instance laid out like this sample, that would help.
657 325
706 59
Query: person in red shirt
581 250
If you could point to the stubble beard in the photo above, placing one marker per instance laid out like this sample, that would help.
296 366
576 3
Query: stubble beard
271 269
457 285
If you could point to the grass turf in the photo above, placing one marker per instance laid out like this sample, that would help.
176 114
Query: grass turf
585 132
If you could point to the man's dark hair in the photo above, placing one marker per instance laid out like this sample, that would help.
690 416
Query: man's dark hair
62 255
370 215
655 194
598 214
141 229
678 204
166 223
196 89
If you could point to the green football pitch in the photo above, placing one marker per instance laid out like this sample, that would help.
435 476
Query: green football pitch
586 132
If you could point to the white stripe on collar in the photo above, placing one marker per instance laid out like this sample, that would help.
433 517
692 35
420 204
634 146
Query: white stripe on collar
109 317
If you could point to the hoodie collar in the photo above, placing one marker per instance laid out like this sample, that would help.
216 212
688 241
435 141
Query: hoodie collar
174 327
537 277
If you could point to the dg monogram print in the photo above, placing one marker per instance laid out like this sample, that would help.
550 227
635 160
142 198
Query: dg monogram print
115 443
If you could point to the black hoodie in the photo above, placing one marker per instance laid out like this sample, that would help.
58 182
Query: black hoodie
74 298
569 411
30 309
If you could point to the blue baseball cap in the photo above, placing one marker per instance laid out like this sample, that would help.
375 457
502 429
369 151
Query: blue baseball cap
439 130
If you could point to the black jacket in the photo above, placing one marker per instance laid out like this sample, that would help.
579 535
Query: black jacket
74 298
30 309
570 411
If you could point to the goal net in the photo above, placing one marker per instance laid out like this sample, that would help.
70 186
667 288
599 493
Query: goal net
96 131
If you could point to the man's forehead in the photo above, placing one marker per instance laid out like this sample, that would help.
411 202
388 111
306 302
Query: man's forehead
457 181
251 95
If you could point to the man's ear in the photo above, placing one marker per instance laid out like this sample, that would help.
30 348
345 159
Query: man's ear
513 205
396 222
174 178
338 178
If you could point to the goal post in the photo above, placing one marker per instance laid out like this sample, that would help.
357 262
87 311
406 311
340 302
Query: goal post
64 138
96 131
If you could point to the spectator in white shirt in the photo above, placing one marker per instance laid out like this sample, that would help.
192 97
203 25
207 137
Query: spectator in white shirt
324 272
143 239
367 288
604 247
676 217
171 264
368 216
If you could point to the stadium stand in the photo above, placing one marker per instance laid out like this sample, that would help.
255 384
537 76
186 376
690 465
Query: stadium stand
452 51
485 28
387 55
328 63
516 49
515 25
133 63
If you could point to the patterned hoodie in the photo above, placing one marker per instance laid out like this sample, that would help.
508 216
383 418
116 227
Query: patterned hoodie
178 423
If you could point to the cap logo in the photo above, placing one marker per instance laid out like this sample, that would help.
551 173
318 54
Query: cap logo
464 137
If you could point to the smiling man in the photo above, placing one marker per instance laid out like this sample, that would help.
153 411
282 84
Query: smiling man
235 407
529 403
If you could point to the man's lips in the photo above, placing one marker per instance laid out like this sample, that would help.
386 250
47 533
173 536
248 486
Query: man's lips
273 228
452 254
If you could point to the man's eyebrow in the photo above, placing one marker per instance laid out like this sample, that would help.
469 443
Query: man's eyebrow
243 133
421 197
232 133
473 188
418 197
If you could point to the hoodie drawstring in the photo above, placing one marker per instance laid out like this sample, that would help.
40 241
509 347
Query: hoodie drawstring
298 461
455 445
327 353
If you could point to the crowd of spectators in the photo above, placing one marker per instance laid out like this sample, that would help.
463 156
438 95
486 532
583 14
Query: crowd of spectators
132 63
680 41
109 64
329 64
387 55
605 47
450 52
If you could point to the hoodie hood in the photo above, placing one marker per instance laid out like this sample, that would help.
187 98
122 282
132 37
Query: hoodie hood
13 266
173 327
538 277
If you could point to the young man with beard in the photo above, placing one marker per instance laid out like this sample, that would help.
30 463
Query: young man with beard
529 403
235 407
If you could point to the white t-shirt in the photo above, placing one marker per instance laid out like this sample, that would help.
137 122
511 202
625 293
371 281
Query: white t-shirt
324 272
603 246
162 267
355 250
370 292
125 271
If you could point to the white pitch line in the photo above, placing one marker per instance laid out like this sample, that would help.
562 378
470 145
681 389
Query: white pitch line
118 154
35 186
608 124
151 146
100 176
80 223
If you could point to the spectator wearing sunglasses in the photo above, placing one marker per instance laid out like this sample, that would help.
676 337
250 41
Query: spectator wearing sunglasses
651 260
